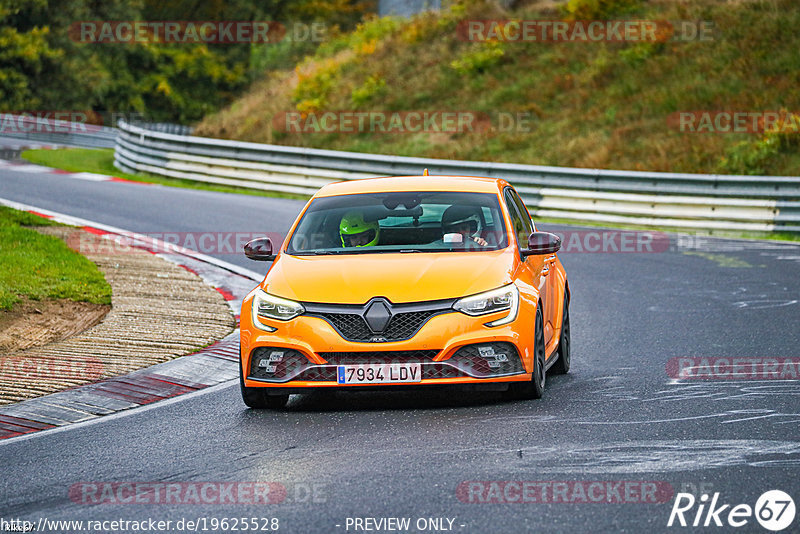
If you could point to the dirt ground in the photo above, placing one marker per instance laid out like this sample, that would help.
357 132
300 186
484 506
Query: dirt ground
33 323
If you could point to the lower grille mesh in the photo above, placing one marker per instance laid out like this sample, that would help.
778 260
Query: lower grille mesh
386 356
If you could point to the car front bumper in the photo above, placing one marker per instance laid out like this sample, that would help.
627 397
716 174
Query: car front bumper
451 348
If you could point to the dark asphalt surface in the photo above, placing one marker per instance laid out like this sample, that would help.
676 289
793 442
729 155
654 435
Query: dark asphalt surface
616 417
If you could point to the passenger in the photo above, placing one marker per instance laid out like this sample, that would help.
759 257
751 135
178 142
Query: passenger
464 220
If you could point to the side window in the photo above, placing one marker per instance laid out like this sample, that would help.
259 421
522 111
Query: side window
523 211
521 228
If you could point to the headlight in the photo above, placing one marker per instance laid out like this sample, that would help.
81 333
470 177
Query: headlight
504 298
272 307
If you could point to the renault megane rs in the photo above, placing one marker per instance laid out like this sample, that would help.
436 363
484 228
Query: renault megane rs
406 281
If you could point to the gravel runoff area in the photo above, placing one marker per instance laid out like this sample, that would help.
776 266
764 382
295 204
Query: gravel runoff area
160 311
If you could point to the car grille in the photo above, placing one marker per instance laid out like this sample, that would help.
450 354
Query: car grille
318 373
387 356
405 325
350 325
351 321
402 326
440 371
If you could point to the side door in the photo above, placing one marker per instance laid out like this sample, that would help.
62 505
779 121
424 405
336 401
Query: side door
547 283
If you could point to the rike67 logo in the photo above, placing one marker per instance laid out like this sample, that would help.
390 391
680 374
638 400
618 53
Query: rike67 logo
774 510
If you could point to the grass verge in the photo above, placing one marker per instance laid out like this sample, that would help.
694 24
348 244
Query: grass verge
38 266
101 161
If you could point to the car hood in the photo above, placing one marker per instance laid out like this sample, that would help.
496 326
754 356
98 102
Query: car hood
410 277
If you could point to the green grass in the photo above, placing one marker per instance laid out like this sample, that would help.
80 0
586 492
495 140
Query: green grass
101 161
10 216
38 266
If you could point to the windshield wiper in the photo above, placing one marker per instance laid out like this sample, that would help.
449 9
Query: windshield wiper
318 252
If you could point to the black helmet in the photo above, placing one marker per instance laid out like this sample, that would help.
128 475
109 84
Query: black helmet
455 216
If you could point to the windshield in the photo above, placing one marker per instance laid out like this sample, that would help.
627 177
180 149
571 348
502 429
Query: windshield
425 221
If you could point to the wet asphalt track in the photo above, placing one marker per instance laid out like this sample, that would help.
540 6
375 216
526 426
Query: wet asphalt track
616 417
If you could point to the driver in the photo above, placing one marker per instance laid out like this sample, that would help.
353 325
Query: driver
464 220
356 232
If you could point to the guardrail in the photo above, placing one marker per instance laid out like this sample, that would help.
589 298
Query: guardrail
80 134
691 201
165 127
60 132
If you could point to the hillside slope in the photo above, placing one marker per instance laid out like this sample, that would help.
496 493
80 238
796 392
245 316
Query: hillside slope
583 104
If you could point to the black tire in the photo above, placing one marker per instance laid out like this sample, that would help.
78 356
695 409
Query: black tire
534 388
561 367
257 397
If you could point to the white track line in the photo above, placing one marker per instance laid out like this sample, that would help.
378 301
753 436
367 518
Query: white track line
161 245
121 413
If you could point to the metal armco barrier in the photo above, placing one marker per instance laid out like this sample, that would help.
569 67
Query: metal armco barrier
691 201
56 131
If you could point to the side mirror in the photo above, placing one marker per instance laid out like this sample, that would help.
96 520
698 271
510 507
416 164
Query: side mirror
259 249
542 243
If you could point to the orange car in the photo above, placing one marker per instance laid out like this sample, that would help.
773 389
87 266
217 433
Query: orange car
420 280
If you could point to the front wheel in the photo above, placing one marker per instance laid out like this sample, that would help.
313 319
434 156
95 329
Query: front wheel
534 388
258 398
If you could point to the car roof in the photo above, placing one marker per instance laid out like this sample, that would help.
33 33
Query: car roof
471 184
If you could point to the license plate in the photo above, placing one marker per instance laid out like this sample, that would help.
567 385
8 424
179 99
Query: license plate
379 373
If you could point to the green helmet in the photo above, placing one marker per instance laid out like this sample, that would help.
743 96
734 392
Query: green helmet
356 232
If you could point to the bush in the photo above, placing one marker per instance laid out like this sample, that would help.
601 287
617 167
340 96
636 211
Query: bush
598 9
367 33
374 86
283 55
640 52
479 59
753 157
312 91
